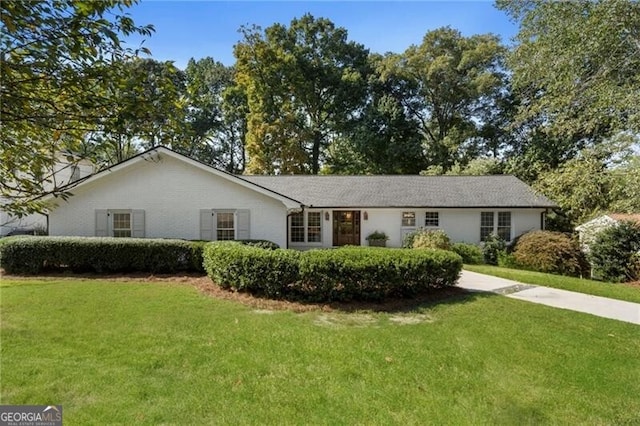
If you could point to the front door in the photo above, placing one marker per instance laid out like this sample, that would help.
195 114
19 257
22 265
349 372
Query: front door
346 227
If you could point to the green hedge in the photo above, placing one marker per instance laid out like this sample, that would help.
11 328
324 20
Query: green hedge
354 273
31 255
233 265
471 254
360 273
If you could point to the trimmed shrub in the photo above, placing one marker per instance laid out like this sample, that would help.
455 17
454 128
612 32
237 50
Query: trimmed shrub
32 255
491 249
432 239
242 267
363 273
471 254
352 273
615 254
265 244
197 248
551 252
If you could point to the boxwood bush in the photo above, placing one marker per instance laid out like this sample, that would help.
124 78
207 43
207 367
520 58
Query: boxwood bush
241 267
363 273
551 252
31 255
471 254
354 273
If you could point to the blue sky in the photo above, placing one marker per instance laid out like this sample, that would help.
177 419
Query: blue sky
186 29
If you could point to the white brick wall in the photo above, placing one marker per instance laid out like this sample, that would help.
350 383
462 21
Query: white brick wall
461 225
171 192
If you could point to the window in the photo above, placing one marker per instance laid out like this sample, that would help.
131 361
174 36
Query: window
225 224
431 219
225 229
314 221
297 228
122 225
486 225
408 218
489 226
119 223
305 227
504 225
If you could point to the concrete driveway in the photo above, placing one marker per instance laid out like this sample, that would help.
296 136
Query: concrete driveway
563 299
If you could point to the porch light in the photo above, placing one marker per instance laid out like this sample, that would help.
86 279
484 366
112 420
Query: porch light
326 215
365 216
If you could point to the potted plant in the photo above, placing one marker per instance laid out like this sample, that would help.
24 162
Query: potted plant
377 239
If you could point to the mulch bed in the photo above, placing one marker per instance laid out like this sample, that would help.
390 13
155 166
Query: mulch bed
206 286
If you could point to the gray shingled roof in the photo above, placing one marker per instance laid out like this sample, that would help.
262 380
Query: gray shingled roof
404 191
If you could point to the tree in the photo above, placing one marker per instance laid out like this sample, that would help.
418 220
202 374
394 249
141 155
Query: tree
381 139
302 84
56 68
626 193
148 109
577 66
615 254
598 180
448 84
217 115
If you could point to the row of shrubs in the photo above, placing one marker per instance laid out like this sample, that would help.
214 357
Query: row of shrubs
255 266
32 254
614 255
543 251
350 273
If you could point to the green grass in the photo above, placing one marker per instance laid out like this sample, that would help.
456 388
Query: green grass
148 353
595 288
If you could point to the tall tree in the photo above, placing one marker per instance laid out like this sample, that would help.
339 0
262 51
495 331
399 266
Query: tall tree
302 82
148 109
381 138
596 181
56 69
217 115
448 85
577 67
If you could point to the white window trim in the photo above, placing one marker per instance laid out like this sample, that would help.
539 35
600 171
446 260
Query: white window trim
208 223
306 242
495 223
415 222
112 222
425 220
104 226
235 223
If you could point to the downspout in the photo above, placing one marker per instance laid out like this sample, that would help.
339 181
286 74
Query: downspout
543 222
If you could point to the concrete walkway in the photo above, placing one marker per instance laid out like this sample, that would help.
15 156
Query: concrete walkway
594 305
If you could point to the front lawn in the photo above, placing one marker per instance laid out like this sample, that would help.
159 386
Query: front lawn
595 288
135 353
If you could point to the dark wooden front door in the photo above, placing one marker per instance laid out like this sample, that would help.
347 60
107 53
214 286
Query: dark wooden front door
346 227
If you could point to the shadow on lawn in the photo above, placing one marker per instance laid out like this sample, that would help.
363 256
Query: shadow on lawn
449 295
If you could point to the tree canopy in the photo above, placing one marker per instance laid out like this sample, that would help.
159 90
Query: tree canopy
302 84
448 84
576 65
57 72
559 108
